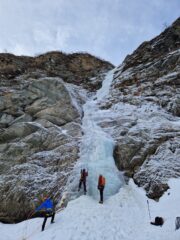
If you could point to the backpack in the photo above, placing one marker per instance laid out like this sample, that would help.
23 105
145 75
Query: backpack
159 221
102 181
177 223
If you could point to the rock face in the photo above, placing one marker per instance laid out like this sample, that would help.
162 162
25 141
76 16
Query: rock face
41 102
145 108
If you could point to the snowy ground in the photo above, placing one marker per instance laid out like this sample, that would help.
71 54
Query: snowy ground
123 216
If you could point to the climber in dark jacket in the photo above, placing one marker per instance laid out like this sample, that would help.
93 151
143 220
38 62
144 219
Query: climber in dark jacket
47 208
83 177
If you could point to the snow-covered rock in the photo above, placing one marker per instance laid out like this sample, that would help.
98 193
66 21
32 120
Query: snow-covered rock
143 112
37 153
40 125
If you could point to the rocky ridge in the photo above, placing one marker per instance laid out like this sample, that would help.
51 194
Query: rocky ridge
76 68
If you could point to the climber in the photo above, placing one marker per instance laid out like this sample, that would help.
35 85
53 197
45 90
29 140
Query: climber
47 210
101 185
83 177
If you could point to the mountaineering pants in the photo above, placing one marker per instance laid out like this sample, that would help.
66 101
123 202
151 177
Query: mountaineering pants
101 189
84 184
48 214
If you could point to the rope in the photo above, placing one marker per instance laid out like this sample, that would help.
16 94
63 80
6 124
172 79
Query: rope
26 225
59 210
37 229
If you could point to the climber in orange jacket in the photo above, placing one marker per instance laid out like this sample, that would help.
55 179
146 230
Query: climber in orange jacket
101 185
83 177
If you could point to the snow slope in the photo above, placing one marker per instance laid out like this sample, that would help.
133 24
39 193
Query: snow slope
123 216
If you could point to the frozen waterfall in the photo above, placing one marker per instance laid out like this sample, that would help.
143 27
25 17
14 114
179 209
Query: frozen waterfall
96 153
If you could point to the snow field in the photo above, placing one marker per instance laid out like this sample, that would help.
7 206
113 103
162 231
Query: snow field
123 216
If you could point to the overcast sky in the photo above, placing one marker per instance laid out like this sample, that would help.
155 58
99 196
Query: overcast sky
110 29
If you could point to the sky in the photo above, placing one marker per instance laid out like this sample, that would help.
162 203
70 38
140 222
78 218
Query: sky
109 29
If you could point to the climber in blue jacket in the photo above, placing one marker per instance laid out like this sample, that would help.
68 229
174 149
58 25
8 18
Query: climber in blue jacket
48 210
